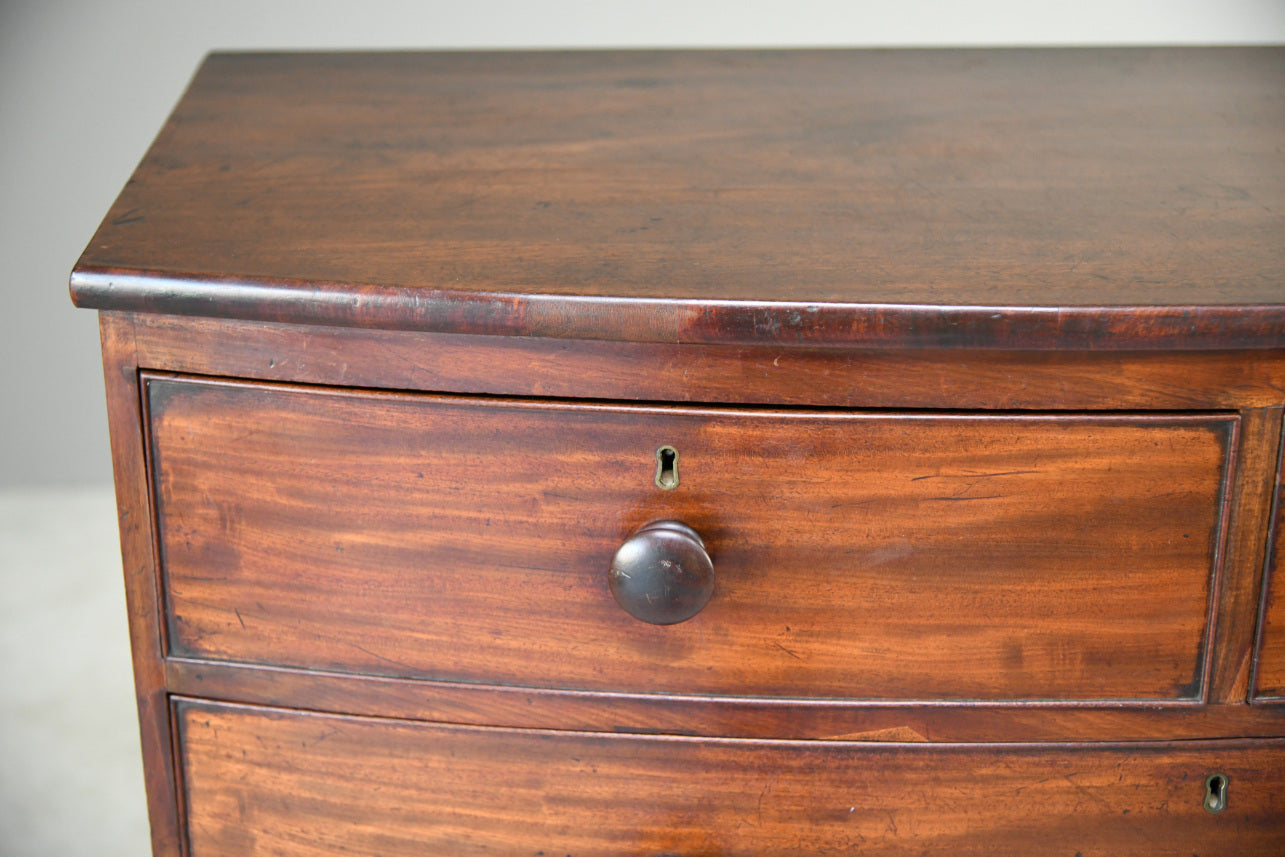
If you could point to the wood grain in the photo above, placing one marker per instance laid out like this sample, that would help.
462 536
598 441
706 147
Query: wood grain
300 785
975 361
718 716
142 591
1240 586
855 555
818 377
1269 673
1101 199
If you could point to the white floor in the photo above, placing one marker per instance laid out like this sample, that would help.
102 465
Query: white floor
71 779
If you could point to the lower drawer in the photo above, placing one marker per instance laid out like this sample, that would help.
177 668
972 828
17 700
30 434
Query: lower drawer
268 781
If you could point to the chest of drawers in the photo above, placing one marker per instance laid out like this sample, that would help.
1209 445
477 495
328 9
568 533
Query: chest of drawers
706 453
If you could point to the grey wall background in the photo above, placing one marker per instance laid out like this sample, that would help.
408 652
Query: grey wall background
84 86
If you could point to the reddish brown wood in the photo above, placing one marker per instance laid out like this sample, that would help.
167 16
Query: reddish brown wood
975 361
299 785
566 368
778 322
134 513
662 573
1240 586
1269 673
856 556
495 705
993 199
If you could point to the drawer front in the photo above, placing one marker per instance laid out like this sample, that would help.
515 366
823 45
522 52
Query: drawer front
294 784
858 556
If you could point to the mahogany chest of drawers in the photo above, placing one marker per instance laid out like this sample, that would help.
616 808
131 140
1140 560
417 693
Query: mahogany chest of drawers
706 453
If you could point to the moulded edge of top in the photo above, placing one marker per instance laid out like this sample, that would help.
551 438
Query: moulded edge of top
686 321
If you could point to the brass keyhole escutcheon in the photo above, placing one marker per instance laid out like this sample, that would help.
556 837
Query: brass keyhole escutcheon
1216 792
667 468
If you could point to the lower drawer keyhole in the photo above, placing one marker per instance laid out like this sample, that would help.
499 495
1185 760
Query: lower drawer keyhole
1216 792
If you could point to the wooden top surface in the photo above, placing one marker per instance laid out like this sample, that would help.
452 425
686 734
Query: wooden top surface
1078 198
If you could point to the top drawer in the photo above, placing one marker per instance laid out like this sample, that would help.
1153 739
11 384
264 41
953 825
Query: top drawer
857 556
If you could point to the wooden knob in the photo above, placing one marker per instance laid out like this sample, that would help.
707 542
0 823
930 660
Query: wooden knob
662 574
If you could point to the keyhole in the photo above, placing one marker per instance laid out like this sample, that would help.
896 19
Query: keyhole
1216 792
667 468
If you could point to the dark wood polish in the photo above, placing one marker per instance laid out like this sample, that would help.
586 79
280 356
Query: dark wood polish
917 199
971 366
1003 380
873 325
1239 592
142 591
673 714
662 573
298 784
859 556
1269 684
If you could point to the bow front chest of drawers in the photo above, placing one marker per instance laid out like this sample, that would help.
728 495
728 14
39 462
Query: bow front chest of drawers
706 453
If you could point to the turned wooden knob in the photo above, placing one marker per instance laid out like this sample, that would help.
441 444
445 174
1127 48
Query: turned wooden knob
662 574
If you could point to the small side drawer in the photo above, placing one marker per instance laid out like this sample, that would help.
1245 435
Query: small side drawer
296 785
856 556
